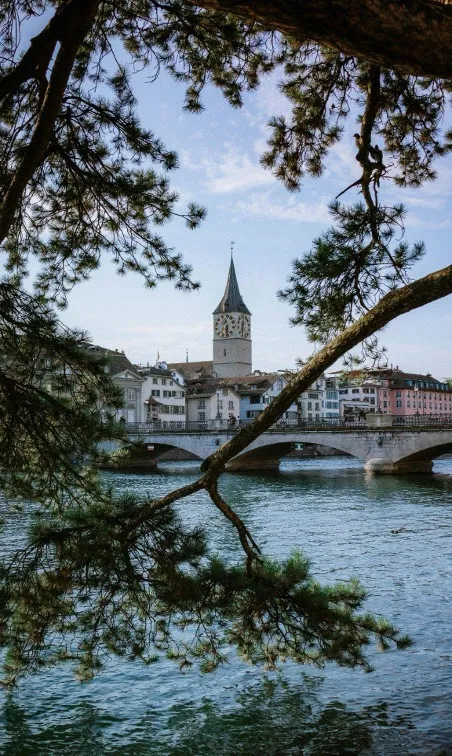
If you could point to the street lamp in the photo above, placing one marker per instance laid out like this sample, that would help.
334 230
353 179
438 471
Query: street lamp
416 395
218 417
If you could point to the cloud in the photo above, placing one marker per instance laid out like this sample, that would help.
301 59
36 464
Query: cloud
235 172
432 204
294 211
230 171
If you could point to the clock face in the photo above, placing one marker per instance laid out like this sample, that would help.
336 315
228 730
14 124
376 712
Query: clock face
243 326
225 325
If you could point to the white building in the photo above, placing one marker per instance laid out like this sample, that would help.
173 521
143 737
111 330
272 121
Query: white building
213 401
358 396
163 396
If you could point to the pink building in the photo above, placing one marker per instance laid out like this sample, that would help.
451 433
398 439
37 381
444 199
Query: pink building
402 393
391 391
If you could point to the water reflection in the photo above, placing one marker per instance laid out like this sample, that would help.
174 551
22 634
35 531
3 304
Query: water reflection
273 717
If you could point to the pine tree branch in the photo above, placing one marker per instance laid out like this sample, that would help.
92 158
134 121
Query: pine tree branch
81 20
249 545
36 59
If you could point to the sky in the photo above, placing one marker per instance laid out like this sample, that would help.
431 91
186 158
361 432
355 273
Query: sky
219 153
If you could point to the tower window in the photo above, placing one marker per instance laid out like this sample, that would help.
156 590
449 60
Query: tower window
224 352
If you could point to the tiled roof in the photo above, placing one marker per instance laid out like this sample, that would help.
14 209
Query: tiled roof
153 371
117 361
395 376
192 370
241 384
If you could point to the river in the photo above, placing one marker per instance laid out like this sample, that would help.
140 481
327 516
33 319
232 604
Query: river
343 519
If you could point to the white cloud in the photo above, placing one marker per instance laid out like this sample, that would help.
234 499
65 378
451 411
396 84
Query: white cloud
432 204
230 171
235 172
295 211
266 102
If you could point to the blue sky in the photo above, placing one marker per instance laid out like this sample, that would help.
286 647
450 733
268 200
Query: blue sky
219 167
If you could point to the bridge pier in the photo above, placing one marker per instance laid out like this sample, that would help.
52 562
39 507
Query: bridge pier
380 465
250 465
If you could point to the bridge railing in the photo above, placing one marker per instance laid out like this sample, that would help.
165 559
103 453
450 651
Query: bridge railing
288 425
215 426
410 421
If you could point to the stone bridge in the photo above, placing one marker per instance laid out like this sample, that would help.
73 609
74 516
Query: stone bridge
393 449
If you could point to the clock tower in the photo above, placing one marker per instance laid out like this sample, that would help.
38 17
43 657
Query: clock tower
232 332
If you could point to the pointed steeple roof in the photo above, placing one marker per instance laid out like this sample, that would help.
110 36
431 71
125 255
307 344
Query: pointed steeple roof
232 299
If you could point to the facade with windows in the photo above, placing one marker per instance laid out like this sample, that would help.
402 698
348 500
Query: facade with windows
213 401
125 376
410 394
320 401
392 391
163 396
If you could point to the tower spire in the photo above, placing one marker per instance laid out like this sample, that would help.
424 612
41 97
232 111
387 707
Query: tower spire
232 299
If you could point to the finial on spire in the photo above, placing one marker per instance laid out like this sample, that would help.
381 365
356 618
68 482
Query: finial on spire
186 356
232 249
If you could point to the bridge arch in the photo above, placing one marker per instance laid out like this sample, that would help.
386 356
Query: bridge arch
267 450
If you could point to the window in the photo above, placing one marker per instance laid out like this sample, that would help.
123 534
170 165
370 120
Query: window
220 404
225 392
398 395
355 391
173 393
343 391
309 405
408 404
201 416
166 393
253 413
255 400
131 394
317 406
372 400
155 381
385 404
201 403
279 384
231 405
155 392
398 403
224 352
313 396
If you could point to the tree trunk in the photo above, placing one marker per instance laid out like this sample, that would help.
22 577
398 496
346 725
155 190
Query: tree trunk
411 36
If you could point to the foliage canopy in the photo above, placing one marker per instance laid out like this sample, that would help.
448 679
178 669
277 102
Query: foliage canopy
82 178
